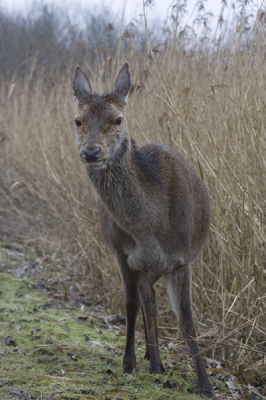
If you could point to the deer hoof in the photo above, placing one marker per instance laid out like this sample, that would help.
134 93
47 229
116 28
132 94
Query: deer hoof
128 367
156 368
207 391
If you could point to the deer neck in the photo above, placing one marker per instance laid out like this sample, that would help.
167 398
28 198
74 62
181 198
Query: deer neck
127 187
118 181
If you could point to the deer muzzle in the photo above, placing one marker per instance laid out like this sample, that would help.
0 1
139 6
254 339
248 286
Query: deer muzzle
93 157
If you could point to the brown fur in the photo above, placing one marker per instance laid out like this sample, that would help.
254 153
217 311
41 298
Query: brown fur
154 215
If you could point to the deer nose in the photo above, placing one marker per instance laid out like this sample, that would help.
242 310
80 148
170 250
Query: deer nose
91 155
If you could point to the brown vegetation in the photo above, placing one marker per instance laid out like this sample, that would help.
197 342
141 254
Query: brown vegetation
204 97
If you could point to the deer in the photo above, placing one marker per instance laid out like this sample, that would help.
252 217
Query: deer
154 214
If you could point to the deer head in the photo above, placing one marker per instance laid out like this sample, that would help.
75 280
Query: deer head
102 132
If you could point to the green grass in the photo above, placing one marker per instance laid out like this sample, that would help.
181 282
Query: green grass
61 349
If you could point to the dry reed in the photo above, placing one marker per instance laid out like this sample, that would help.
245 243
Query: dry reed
207 100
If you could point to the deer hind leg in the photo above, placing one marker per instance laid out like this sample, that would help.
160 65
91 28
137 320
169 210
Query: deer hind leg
130 280
149 312
179 287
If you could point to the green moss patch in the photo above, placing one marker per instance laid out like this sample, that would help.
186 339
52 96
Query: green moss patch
53 349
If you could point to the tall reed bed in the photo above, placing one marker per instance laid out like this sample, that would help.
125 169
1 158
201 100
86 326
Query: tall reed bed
204 97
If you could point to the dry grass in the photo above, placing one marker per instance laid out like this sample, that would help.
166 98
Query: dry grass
209 102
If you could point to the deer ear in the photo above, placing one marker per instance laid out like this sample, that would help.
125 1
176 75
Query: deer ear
81 85
123 84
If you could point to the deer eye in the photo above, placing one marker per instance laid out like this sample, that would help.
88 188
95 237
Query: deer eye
118 121
77 122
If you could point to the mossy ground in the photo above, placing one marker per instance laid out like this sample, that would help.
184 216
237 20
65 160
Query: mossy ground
52 349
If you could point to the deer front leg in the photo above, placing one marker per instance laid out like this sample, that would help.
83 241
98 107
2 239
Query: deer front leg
130 280
147 352
149 312
179 282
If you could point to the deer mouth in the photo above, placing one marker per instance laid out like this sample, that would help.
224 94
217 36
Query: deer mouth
100 164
